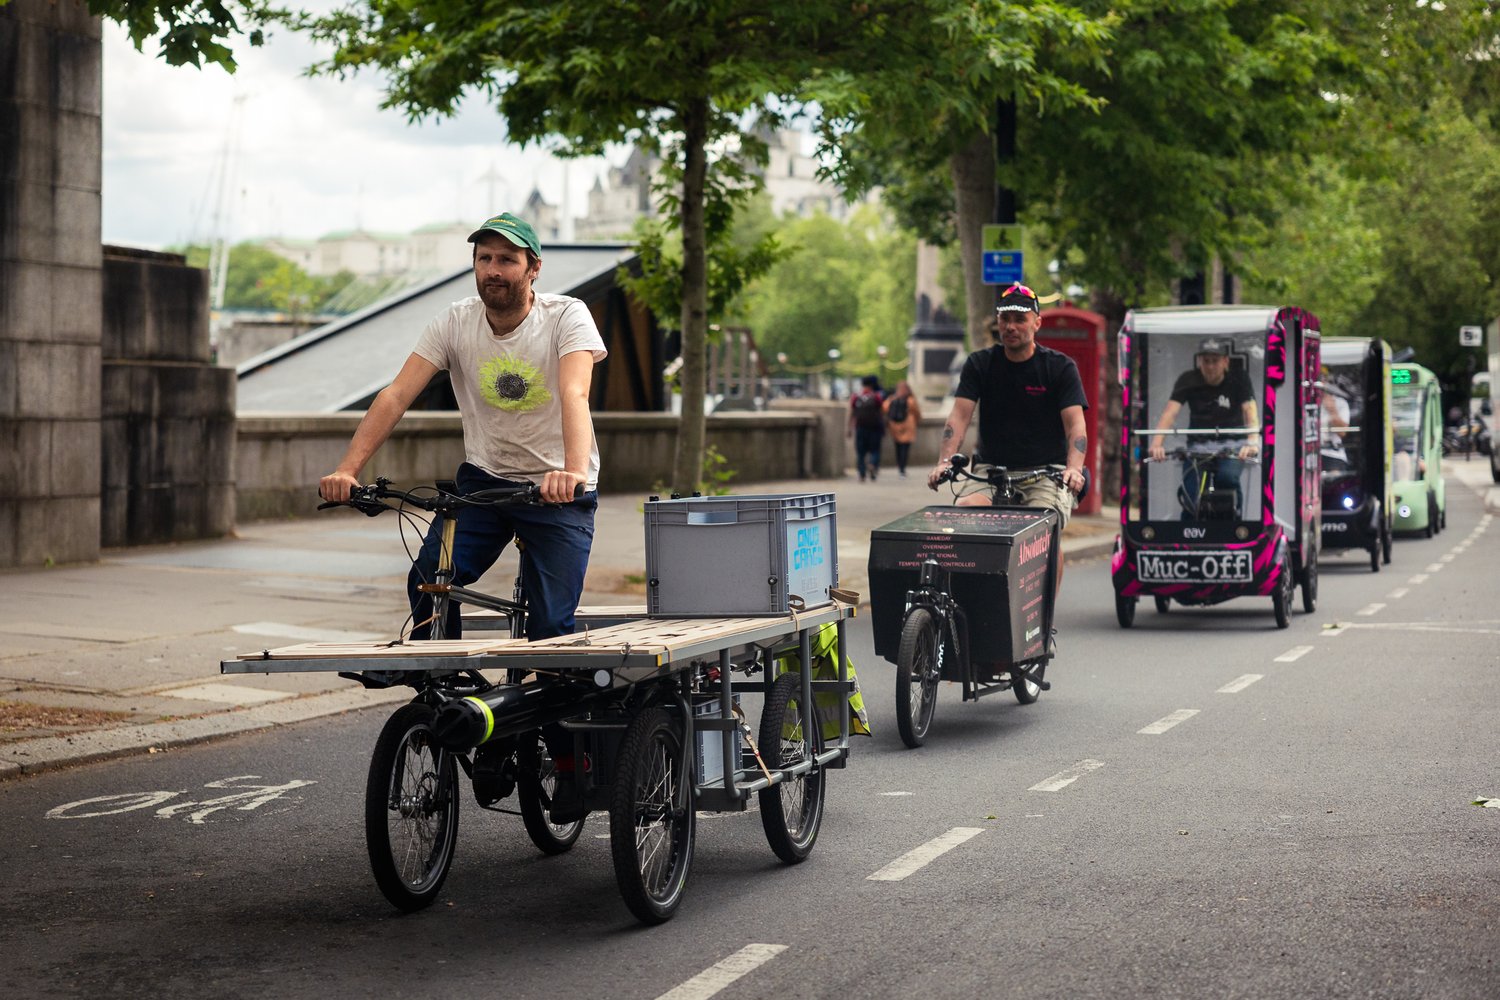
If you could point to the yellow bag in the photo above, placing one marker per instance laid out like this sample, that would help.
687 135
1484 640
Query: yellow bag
825 642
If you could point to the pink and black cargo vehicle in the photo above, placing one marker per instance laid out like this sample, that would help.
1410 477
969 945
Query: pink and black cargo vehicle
1220 491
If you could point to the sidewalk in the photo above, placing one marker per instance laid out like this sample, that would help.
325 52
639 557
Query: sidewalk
122 656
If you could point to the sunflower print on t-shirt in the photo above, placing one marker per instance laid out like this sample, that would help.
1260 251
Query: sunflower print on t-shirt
513 385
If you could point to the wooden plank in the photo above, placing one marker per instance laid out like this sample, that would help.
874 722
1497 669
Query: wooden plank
381 650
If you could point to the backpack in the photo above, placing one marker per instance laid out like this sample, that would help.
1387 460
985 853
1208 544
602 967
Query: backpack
867 410
897 412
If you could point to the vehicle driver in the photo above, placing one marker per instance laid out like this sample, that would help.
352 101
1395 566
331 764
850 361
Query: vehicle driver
1030 401
1335 425
1217 398
520 363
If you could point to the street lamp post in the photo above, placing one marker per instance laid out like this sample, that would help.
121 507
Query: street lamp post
833 372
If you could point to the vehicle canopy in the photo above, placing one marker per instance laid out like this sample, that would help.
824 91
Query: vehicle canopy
1356 443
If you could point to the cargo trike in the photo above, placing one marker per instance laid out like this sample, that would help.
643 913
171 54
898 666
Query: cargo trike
1358 493
1228 505
964 594
635 715
1421 495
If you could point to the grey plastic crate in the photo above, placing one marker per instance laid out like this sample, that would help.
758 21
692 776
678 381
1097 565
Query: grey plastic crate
712 557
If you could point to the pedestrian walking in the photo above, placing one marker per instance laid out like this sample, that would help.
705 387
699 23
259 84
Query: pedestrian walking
902 415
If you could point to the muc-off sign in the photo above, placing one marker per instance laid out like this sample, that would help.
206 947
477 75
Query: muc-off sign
1233 566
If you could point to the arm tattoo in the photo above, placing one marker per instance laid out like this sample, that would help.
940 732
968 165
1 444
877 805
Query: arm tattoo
1081 445
947 431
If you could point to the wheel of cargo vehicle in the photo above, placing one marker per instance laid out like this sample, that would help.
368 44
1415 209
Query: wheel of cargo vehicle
1125 610
917 676
1310 585
536 783
652 823
1028 691
411 809
1385 543
792 810
1375 558
1162 604
1281 599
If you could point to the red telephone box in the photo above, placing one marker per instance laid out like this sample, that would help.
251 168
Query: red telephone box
1079 334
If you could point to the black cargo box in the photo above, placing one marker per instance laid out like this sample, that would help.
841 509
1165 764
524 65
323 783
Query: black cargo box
1001 561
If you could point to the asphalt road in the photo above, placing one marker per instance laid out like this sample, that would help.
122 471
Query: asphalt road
1254 812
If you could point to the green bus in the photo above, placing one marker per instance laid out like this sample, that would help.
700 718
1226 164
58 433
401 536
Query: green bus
1417 451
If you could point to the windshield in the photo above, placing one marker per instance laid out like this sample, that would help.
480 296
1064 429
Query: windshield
1195 412
1408 404
1343 433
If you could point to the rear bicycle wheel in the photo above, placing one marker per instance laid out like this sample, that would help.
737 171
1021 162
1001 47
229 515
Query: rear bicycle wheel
917 676
651 819
536 783
791 811
411 810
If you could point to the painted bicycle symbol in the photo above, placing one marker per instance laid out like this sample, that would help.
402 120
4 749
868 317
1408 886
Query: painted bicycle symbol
242 796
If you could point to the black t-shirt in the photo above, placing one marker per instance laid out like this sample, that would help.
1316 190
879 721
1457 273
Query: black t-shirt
1020 405
1211 407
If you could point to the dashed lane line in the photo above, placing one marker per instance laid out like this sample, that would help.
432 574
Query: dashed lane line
1419 578
1398 593
1244 680
1162 725
1370 609
719 975
1062 779
1337 628
1291 656
919 857
1434 567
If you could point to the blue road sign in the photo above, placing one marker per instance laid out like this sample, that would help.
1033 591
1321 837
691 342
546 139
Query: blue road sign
1001 267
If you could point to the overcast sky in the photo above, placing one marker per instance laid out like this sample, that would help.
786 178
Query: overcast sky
314 156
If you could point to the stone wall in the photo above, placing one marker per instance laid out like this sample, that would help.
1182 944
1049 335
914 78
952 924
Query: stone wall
50 141
280 457
168 421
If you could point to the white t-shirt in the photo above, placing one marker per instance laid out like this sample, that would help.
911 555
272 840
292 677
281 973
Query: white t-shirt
507 386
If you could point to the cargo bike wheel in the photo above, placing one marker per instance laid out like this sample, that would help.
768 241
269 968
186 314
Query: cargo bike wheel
536 785
411 809
651 819
790 733
917 676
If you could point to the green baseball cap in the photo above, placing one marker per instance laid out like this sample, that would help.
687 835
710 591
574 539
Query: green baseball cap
518 231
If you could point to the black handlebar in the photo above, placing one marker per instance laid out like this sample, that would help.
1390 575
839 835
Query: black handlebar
996 475
370 500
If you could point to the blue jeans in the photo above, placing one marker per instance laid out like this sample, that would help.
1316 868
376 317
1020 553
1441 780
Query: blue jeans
1223 473
557 541
867 449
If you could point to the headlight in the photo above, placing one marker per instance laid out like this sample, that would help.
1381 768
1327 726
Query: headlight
1348 503
1242 532
1404 510
1148 533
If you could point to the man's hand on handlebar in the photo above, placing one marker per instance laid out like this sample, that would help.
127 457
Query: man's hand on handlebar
559 486
336 486
1158 450
941 473
1073 480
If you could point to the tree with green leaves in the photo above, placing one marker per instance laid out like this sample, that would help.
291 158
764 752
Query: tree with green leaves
691 79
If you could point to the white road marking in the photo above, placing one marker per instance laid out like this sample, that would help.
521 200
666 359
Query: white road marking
1419 578
897 793
1338 628
1434 567
1446 557
1398 593
719 975
1369 609
1293 655
1062 779
1240 683
284 631
1162 725
919 857
226 694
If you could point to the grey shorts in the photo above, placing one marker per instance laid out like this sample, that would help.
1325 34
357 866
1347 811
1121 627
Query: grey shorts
1041 492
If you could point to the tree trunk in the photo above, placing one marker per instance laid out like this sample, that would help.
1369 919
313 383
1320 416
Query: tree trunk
1111 306
687 467
973 169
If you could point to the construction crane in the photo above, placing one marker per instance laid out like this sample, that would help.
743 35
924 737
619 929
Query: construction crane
223 194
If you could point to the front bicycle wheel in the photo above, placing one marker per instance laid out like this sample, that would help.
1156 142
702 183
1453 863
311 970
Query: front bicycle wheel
651 819
536 784
791 811
917 676
411 809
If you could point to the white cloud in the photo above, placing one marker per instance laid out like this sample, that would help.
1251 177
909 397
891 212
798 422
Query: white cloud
314 155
